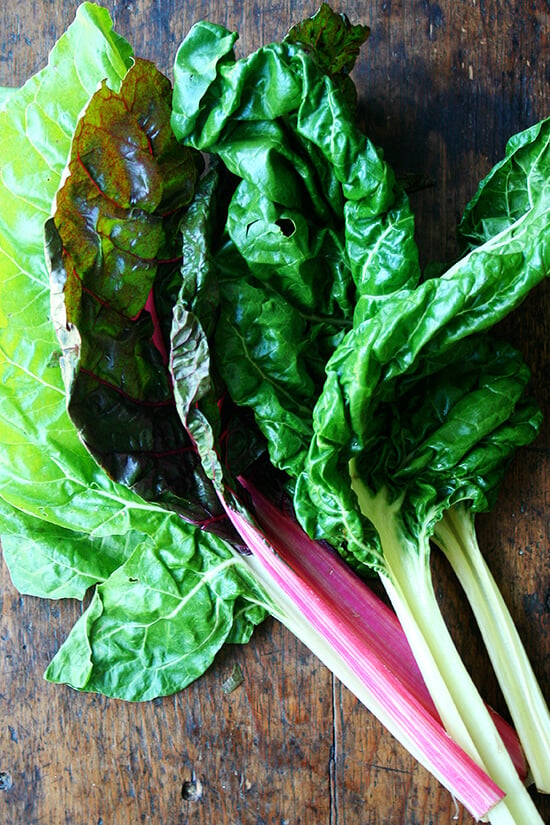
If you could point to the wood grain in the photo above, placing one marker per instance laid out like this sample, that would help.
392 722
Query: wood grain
442 86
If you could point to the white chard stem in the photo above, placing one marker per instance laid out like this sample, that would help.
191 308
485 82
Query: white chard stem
408 583
455 535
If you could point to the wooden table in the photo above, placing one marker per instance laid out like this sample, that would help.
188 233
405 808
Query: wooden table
442 86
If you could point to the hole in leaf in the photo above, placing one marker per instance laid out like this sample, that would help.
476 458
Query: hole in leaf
287 226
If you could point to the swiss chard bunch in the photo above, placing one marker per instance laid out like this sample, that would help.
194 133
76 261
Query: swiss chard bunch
262 322
412 412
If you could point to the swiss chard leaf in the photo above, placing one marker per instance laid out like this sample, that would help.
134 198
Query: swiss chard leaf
292 140
315 220
54 562
5 93
416 337
227 441
333 42
156 624
116 221
512 188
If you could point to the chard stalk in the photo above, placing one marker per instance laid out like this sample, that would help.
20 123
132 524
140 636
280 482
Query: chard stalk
408 582
376 622
455 535
330 613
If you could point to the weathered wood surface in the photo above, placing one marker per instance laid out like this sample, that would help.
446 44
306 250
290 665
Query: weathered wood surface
442 86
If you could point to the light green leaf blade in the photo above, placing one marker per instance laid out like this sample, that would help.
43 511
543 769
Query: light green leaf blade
54 562
157 623
43 465
5 94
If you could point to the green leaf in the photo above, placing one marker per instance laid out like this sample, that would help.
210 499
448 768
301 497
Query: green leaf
333 43
43 466
65 523
261 345
54 562
157 623
331 39
512 187
315 220
398 345
400 341
5 94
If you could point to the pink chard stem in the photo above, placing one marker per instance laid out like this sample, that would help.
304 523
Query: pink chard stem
353 632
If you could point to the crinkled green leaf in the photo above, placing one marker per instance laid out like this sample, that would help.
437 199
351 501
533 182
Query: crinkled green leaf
512 187
280 125
332 40
315 220
400 343
441 433
203 224
260 360
157 622
333 43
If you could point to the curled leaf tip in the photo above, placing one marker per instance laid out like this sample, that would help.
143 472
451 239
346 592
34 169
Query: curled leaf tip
331 39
